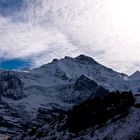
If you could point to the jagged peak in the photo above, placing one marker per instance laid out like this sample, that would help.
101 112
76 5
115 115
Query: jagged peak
136 74
83 57
68 57
80 59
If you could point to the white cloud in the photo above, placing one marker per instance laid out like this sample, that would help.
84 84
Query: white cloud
23 40
53 28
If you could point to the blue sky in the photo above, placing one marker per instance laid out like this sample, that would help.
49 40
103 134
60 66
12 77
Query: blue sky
8 7
14 64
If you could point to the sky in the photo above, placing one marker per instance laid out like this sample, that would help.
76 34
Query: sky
33 32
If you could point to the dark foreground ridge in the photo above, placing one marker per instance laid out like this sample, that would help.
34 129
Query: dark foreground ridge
99 110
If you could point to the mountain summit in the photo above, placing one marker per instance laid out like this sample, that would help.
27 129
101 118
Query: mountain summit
135 75
85 58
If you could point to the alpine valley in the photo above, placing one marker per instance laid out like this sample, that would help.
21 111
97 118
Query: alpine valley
69 99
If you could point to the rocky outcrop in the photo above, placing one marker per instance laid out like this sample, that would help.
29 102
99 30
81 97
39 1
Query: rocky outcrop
11 86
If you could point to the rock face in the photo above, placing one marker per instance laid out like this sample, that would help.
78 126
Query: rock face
84 83
99 110
85 59
90 117
11 86
38 96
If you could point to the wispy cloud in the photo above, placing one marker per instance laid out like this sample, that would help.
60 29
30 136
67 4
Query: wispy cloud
25 40
47 29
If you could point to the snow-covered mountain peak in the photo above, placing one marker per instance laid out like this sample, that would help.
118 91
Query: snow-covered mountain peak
85 58
61 71
79 59
135 75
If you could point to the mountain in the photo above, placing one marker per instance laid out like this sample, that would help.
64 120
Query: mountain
36 97
72 68
135 75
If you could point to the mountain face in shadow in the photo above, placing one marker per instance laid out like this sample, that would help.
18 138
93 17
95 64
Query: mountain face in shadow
99 110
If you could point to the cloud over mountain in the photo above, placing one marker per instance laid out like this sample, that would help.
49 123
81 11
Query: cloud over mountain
41 30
